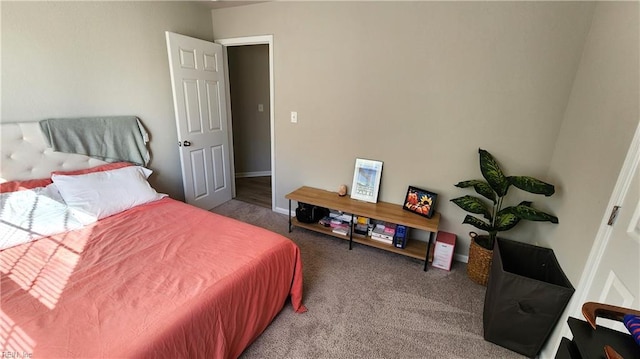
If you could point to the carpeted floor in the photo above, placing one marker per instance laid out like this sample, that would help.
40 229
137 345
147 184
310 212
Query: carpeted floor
368 303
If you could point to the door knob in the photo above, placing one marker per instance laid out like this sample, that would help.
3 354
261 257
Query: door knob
184 143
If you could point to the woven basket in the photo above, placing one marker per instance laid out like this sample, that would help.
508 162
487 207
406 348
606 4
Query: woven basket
479 264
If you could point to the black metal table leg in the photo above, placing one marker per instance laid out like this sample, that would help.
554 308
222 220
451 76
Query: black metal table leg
289 216
426 258
351 233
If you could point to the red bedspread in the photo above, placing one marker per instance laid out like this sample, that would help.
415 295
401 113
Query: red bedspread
161 280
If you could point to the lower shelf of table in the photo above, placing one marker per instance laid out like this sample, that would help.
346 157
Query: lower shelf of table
414 248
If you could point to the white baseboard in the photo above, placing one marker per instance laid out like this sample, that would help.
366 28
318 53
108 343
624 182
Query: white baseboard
253 174
285 211
461 258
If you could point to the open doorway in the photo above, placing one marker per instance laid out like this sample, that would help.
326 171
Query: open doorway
249 89
250 79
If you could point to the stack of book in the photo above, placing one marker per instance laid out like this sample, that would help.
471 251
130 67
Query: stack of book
336 224
343 216
361 226
325 221
342 230
384 232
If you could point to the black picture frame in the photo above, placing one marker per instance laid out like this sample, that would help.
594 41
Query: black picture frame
420 201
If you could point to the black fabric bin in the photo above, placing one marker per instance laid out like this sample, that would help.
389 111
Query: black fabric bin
526 294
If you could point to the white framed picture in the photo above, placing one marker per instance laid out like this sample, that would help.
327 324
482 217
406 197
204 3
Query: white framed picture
366 180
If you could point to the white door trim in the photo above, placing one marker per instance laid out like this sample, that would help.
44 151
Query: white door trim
602 239
255 40
604 232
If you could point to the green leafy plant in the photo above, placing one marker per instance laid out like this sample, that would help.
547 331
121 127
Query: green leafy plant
494 187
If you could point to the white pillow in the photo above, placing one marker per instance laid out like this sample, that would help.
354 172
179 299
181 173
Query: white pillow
33 214
97 195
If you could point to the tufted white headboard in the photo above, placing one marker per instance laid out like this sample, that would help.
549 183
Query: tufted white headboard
24 154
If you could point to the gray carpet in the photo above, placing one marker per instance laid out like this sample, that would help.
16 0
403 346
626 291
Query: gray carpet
369 303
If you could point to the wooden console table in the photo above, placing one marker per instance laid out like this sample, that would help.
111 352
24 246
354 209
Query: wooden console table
383 211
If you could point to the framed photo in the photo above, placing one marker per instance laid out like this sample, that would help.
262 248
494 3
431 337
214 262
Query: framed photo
366 180
420 201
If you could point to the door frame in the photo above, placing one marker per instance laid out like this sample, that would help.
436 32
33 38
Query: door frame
243 41
601 241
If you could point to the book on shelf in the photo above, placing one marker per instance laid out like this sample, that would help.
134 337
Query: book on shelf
390 229
360 229
334 223
358 235
343 216
383 240
378 229
400 238
343 230
325 221
380 233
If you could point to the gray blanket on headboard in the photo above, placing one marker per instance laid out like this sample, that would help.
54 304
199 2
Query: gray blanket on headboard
111 139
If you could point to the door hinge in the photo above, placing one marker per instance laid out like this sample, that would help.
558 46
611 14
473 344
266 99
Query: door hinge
614 215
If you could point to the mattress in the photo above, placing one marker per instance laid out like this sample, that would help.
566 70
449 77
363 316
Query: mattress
164 279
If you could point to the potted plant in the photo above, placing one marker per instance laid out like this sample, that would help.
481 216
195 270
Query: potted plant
496 216
526 288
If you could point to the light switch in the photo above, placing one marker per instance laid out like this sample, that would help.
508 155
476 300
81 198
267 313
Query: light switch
294 117
260 107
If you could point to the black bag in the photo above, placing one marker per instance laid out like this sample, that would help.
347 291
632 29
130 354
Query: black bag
308 213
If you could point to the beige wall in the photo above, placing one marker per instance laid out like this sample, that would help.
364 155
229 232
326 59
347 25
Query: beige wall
249 85
602 114
67 59
418 85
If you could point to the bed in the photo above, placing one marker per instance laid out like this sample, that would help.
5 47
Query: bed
159 279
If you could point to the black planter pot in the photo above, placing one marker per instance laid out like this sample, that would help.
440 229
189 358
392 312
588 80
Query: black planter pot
526 294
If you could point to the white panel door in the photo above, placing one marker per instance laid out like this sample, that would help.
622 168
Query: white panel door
198 84
616 278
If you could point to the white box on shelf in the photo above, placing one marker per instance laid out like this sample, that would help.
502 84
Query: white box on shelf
443 252
343 230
